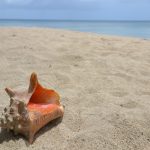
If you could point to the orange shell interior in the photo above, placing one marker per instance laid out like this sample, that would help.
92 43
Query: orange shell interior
43 100
42 108
43 95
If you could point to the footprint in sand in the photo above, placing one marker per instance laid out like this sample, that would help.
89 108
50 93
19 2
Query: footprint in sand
72 58
105 54
130 105
119 92
143 93
124 76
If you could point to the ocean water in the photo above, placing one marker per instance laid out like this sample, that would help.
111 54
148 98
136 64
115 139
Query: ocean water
122 28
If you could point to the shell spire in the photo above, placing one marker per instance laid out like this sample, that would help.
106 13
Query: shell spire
31 109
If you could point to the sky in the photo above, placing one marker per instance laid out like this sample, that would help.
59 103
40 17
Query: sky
75 9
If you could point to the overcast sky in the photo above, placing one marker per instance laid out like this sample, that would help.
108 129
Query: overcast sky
75 9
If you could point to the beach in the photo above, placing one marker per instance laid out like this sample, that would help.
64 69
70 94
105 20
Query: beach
103 81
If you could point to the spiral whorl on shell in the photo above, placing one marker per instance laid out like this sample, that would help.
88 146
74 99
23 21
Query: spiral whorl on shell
16 117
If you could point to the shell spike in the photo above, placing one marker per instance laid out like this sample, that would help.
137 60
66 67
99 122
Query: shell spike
10 92
33 83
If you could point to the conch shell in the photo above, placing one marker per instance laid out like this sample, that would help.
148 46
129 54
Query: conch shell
31 109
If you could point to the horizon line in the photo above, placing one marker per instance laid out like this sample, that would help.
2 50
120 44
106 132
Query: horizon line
25 19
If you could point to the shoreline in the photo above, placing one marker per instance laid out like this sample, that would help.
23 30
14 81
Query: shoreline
71 30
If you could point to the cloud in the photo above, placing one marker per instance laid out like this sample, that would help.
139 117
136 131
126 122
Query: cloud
84 5
87 0
51 4
17 2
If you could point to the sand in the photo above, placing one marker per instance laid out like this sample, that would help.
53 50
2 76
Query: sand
104 83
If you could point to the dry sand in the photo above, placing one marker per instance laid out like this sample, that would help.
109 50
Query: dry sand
104 82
